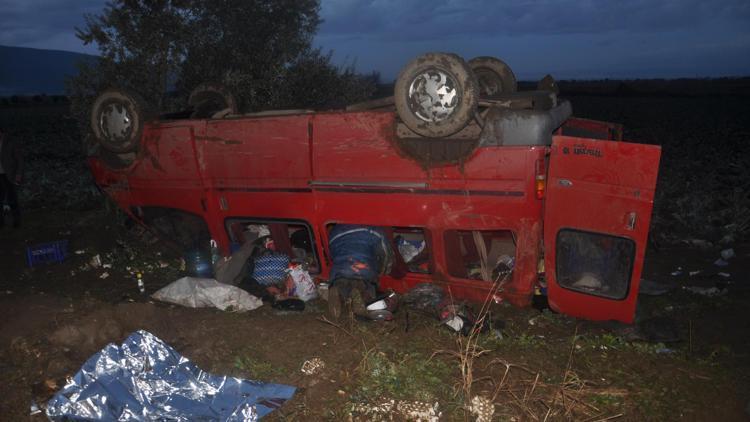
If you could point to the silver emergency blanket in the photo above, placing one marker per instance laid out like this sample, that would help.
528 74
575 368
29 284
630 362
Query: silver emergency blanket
207 292
144 379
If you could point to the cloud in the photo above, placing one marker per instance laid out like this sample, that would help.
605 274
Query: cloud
441 19
44 23
579 37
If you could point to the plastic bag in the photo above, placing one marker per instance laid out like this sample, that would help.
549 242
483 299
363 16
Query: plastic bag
304 287
409 249
205 292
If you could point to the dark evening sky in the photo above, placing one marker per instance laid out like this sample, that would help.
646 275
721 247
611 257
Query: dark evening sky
580 39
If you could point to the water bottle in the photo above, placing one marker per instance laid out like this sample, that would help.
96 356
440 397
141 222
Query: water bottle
141 286
215 253
198 264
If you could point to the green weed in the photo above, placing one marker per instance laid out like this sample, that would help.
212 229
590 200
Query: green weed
402 377
256 368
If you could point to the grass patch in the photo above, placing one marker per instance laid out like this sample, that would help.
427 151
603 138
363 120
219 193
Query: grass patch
256 368
402 376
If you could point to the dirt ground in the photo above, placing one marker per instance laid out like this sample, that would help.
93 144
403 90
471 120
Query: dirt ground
538 365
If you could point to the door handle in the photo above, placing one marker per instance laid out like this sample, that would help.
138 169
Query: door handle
565 183
630 221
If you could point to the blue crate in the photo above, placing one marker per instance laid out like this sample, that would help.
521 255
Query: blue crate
47 253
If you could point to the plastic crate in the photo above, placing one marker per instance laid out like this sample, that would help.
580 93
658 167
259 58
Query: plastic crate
47 253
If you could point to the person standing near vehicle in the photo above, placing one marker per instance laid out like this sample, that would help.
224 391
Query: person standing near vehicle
11 176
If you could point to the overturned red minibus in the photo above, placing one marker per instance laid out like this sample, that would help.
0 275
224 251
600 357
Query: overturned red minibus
458 162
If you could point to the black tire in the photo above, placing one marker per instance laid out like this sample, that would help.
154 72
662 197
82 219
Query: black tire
117 120
493 75
436 94
210 98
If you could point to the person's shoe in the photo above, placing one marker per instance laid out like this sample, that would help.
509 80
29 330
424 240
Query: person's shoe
335 304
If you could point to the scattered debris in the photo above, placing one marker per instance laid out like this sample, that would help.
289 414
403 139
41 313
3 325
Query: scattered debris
47 253
425 296
418 411
323 291
727 254
96 261
677 272
483 408
725 275
154 382
104 275
694 273
699 243
141 285
653 288
34 409
408 410
313 366
706 291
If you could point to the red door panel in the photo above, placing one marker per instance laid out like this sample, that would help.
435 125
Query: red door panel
597 214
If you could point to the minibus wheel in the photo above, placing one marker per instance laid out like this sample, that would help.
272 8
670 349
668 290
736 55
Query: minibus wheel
493 75
117 120
436 94
548 83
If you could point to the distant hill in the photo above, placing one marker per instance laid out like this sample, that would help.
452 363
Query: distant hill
30 71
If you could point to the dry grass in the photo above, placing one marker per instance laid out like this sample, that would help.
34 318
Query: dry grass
517 390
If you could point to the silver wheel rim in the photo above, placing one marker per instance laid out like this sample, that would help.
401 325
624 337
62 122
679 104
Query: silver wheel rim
433 95
115 122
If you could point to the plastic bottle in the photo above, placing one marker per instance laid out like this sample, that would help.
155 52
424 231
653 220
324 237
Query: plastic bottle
215 253
141 286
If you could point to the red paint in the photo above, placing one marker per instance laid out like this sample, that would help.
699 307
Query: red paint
342 167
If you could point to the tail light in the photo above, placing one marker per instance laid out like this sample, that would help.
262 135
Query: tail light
540 180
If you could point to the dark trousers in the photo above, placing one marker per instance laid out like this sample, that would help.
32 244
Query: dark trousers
8 193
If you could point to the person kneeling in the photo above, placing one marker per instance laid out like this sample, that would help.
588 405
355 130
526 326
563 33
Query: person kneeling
359 254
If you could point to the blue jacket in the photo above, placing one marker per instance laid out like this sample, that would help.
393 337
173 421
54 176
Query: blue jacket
358 252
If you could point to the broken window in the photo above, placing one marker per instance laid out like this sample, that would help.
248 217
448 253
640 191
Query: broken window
413 248
188 231
594 263
480 254
293 238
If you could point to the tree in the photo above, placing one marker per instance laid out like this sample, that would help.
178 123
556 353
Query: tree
142 45
260 49
247 45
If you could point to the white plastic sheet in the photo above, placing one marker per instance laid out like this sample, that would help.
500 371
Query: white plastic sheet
207 292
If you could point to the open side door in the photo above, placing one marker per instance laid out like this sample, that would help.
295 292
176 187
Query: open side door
597 214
